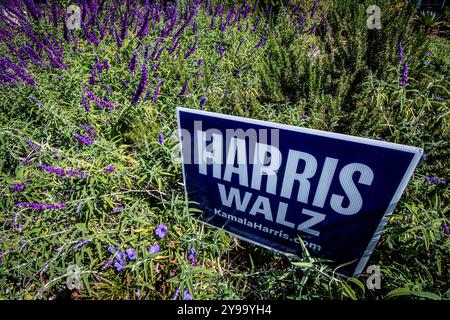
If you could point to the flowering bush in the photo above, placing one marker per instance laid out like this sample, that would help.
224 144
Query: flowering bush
86 117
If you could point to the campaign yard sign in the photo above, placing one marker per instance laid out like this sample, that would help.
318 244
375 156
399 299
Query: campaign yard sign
269 183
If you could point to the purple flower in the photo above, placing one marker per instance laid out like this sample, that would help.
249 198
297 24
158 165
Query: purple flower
110 169
131 254
202 102
118 209
147 95
132 63
58 171
106 64
106 265
157 92
89 130
446 229
184 88
81 244
119 59
161 231
200 62
112 250
186 295
405 74
439 98
400 52
98 101
120 260
304 117
85 103
41 206
429 53
141 85
161 138
18 187
107 88
434 180
119 265
39 103
31 144
192 254
154 249
125 84
177 293
85 139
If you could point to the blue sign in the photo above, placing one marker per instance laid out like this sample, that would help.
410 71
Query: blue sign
270 184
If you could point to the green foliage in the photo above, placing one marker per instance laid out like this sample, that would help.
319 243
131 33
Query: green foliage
345 77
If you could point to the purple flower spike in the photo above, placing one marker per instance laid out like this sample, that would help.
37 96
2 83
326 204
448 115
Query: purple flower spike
400 52
19 187
177 293
161 231
85 139
405 74
106 64
161 138
132 64
31 144
202 102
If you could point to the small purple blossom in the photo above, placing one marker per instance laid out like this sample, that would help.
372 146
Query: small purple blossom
161 138
110 169
446 228
202 102
154 249
85 139
85 103
304 117
184 88
81 244
429 53
106 64
19 187
107 88
118 209
186 295
434 180
119 265
89 130
161 231
131 253
192 254
40 206
177 293
125 84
